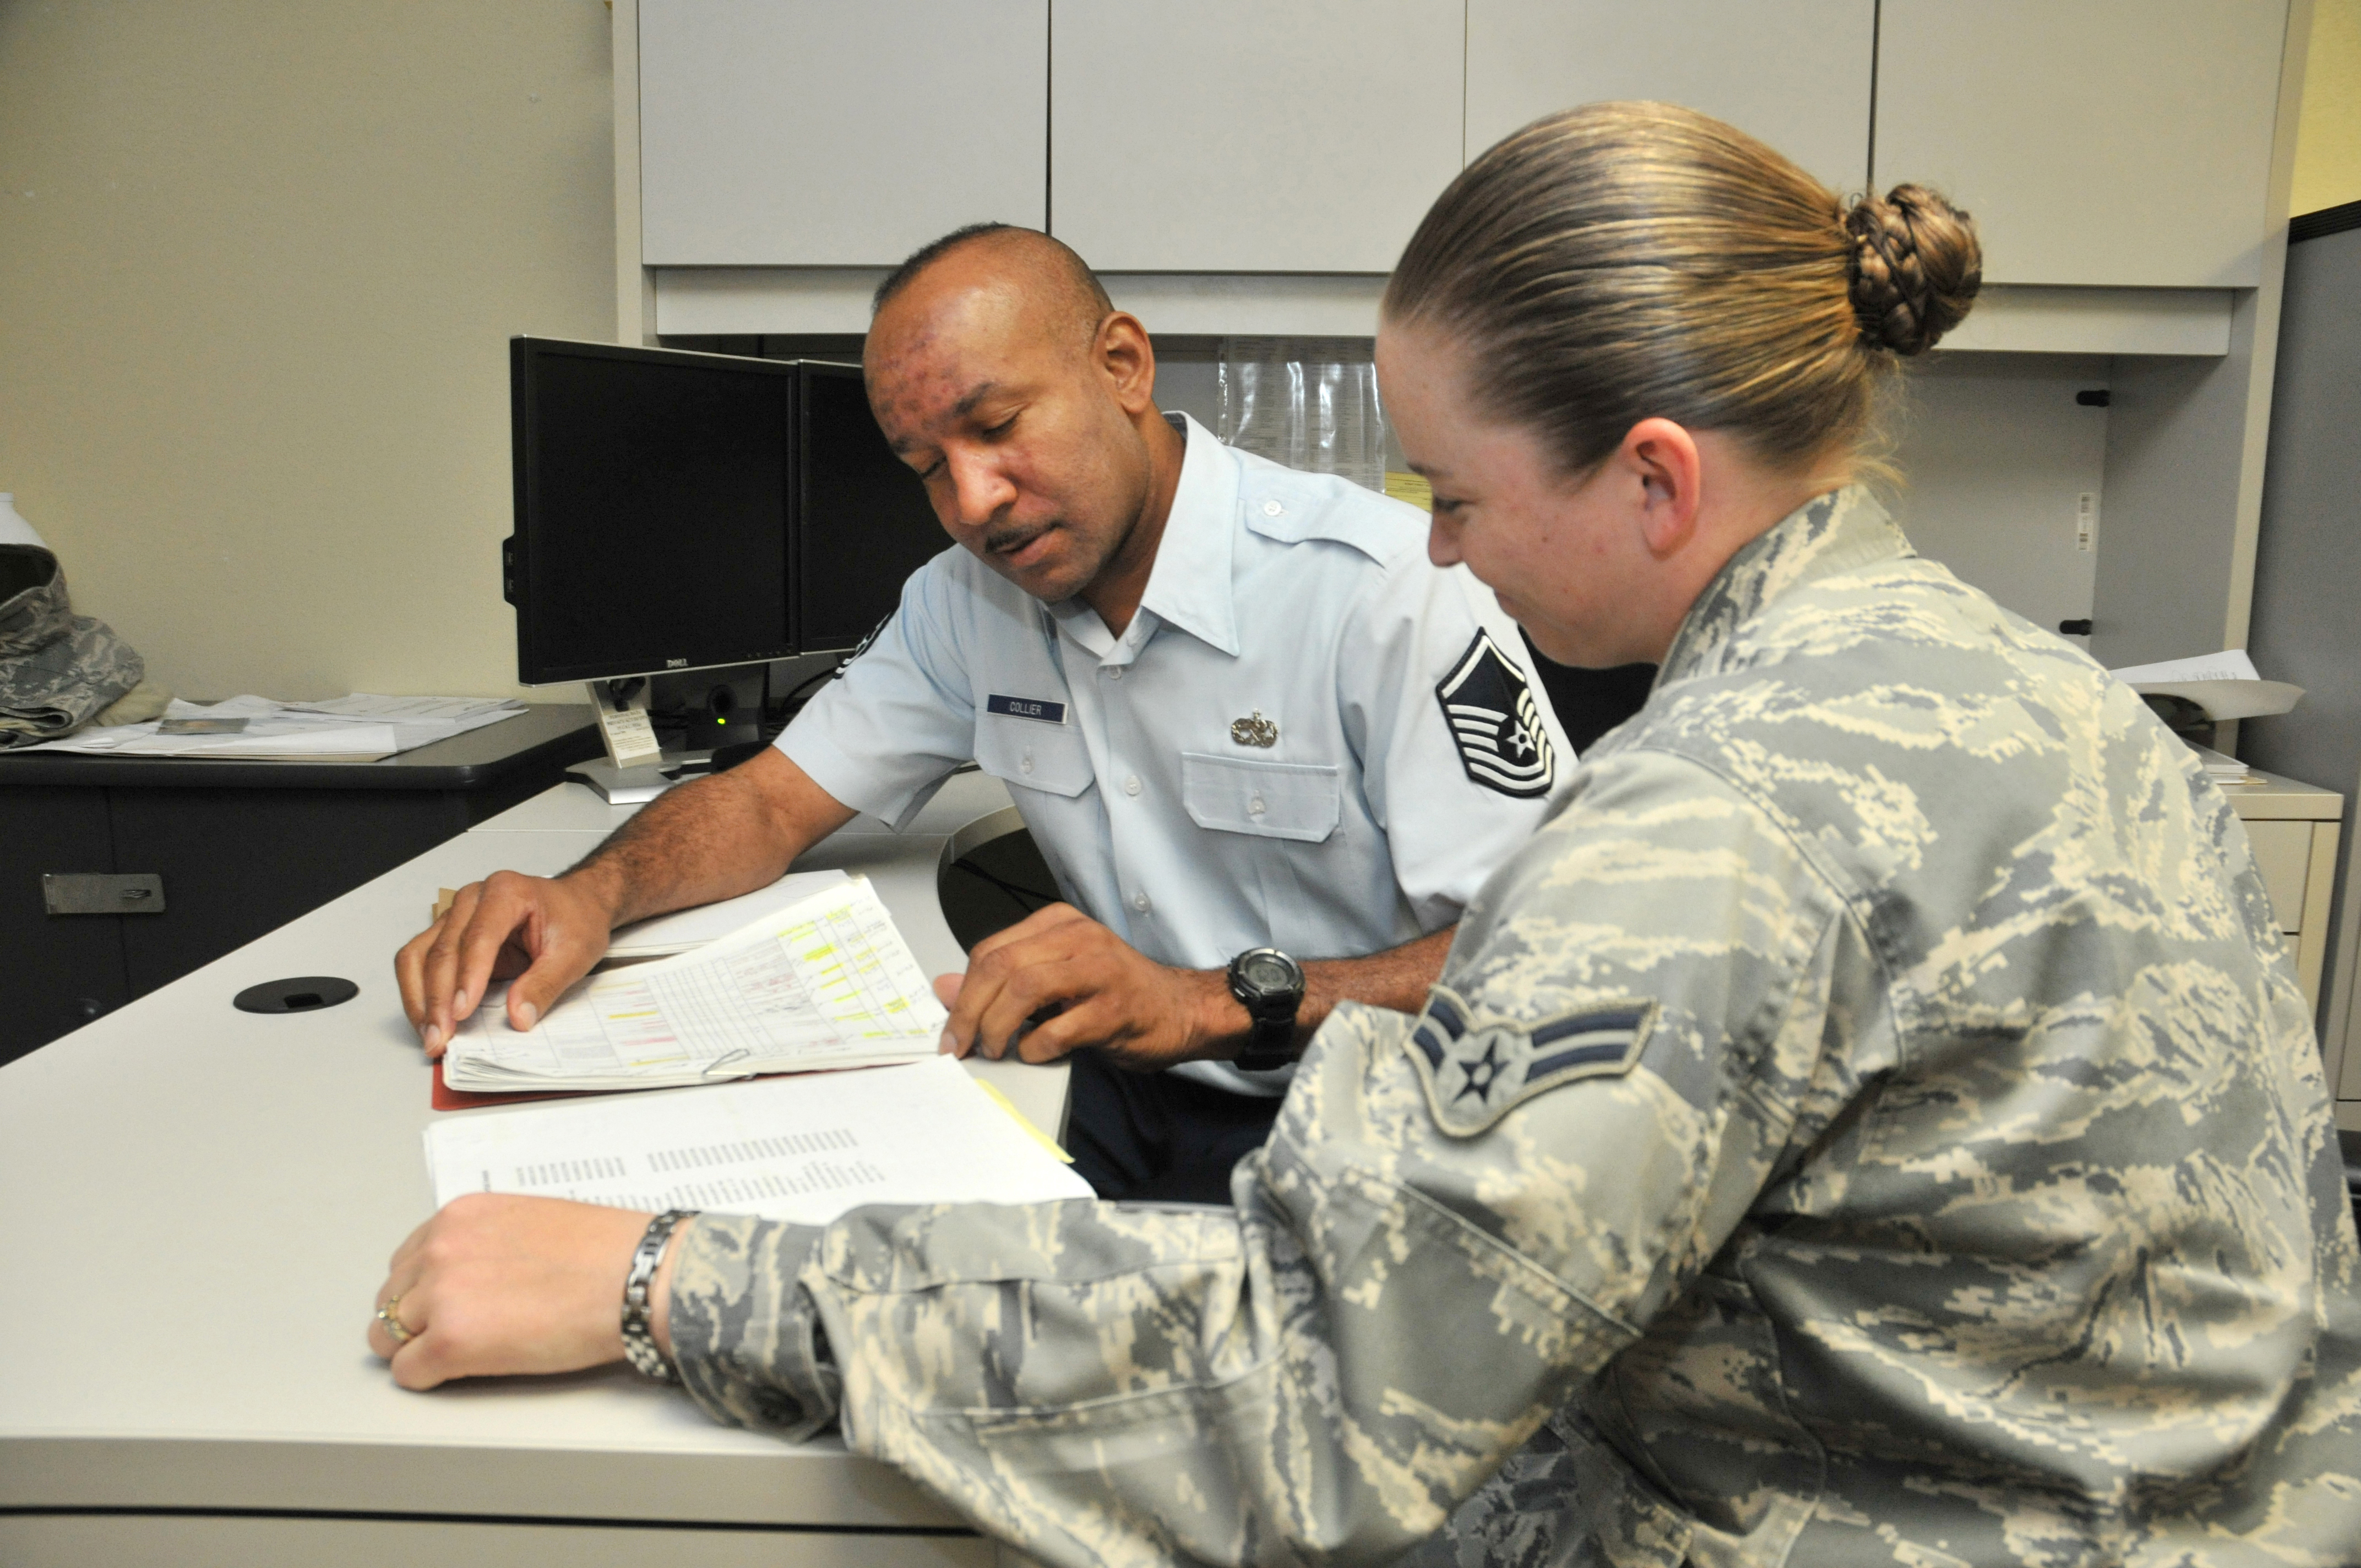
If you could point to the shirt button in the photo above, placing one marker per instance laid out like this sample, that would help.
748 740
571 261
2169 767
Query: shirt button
1139 902
1273 508
1115 673
1027 762
1131 784
1254 807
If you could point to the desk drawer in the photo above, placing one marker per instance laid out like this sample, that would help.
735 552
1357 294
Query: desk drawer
2283 854
63 969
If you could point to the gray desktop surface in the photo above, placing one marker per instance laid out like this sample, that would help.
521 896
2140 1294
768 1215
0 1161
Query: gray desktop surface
213 1195
560 732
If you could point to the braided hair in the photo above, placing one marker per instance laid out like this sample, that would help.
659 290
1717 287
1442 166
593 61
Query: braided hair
1915 268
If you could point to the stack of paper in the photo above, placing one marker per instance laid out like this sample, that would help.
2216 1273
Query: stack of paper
360 728
826 981
2222 769
803 1149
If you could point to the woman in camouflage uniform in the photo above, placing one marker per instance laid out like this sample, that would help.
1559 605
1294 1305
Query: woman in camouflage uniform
1874 1121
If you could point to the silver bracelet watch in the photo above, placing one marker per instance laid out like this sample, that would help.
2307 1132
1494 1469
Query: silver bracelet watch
638 1344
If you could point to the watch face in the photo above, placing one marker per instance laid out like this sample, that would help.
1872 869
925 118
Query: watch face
1268 971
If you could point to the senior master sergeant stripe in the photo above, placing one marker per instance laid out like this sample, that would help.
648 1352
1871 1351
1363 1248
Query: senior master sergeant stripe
1496 724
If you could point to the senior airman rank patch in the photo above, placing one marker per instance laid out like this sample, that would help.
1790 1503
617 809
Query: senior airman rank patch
1504 744
1477 1072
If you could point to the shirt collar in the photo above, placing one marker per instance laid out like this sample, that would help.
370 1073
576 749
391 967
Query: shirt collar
1839 532
1189 587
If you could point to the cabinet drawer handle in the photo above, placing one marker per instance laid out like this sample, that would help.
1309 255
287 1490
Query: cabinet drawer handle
103 893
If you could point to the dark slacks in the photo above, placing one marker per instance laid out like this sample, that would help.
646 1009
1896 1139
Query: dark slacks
1153 1135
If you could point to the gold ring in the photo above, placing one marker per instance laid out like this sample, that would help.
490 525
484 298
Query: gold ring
387 1315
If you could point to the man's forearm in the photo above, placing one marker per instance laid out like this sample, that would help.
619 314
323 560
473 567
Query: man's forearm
712 840
1395 979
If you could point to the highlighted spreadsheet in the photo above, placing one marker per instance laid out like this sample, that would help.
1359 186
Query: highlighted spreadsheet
826 981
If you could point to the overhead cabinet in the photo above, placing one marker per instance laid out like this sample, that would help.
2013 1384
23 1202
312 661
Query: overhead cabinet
2123 142
817 133
1793 73
2111 143
1238 135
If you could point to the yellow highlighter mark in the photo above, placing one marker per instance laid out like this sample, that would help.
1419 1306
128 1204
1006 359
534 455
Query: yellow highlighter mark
1038 1136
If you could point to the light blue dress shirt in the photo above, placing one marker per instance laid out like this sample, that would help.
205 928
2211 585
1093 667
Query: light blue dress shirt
1300 604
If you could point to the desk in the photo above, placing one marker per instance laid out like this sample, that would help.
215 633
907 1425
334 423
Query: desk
2293 828
242 848
206 1199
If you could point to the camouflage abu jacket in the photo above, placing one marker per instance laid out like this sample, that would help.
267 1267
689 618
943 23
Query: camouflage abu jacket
57 670
1873 1122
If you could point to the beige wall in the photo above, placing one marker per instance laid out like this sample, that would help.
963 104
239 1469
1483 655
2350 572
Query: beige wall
2328 137
259 263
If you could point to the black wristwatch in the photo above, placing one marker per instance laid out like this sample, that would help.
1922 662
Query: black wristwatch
1269 986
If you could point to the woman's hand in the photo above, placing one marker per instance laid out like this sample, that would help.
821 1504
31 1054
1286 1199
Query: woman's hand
498 1285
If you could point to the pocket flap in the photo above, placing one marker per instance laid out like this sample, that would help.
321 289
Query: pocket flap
1275 800
1033 755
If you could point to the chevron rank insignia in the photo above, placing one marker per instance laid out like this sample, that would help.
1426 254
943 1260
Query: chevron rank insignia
1502 742
1477 1071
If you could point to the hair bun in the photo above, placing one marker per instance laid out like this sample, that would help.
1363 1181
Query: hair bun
1915 268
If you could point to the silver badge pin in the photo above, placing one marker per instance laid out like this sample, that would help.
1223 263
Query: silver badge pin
1255 731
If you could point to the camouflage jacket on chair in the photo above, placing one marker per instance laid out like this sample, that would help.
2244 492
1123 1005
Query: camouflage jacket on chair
1873 1122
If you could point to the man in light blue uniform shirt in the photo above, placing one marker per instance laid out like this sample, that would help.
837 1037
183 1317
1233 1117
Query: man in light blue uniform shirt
1261 759
1267 748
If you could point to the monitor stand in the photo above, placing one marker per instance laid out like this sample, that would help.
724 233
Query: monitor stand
637 786
623 786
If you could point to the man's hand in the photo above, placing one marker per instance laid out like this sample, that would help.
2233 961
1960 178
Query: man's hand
543 934
1087 987
715 839
495 1285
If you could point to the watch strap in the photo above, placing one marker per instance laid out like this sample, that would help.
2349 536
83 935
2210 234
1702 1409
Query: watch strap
1271 1047
639 1343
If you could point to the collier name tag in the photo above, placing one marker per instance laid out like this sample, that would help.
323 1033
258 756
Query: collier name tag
1027 707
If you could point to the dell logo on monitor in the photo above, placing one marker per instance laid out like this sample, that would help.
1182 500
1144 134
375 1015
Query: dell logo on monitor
675 663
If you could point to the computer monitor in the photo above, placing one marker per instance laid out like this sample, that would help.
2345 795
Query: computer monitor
681 511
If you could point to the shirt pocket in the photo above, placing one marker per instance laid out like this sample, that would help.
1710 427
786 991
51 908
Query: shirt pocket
1301 801
1032 755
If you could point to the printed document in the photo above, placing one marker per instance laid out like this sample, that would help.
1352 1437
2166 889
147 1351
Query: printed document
825 982
803 1149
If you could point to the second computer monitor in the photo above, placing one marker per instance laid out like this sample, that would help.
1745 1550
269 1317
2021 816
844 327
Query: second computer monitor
678 511
864 524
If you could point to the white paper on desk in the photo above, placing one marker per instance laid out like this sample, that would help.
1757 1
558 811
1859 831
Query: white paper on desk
685 930
2221 768
803 1149
270 731
468 712
826 981
360 727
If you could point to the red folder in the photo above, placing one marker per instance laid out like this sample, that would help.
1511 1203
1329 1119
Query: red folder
446 1098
